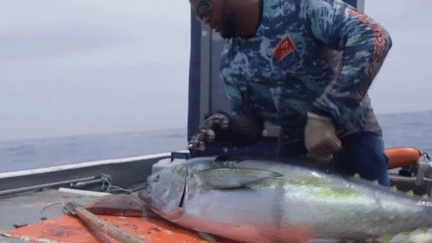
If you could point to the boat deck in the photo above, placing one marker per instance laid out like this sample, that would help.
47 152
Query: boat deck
26 209
24 221
35 209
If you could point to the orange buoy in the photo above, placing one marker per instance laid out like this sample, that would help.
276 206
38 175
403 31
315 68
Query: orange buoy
402 156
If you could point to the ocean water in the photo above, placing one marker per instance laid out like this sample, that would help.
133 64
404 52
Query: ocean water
400 129
27 154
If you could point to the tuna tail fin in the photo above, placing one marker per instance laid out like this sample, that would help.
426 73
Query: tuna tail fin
229 178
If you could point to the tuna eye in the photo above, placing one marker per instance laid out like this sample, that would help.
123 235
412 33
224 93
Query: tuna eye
156 179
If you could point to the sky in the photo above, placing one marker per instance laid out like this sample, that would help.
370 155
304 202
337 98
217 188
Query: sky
99 66
404 82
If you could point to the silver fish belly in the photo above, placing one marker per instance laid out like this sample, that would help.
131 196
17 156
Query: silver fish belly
268 201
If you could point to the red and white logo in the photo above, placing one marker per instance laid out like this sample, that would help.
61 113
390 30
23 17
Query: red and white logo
285 47
286 56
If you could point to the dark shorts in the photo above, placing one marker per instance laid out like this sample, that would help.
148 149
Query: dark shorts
361 153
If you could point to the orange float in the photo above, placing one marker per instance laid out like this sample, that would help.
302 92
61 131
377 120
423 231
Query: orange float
402 156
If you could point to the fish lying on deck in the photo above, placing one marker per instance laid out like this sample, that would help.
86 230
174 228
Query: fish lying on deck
263 200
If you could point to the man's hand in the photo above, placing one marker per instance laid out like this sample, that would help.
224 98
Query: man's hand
213 126
320 138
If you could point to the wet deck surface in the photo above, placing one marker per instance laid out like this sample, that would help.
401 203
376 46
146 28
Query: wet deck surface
26 209
52 225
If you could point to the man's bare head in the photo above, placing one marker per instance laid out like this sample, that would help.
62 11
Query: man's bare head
230 18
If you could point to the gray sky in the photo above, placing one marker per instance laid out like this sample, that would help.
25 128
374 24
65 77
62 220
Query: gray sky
405 80
97 66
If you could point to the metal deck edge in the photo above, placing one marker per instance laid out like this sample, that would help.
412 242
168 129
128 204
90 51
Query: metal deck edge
80 165
124 172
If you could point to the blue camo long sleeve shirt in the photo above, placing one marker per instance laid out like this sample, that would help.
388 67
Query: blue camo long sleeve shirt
307 55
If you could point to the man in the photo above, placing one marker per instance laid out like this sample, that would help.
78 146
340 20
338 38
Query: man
305 65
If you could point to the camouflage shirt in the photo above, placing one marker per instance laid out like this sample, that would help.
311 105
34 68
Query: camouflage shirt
307 55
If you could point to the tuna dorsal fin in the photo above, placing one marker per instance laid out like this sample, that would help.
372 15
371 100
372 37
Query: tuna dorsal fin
228 178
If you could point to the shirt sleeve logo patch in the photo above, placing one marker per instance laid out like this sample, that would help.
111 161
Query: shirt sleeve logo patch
286 54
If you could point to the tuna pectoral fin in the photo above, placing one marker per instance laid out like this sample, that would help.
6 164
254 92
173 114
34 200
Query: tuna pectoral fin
119 205
209 237
228 178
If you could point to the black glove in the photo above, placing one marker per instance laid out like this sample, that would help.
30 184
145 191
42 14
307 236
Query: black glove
216 128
